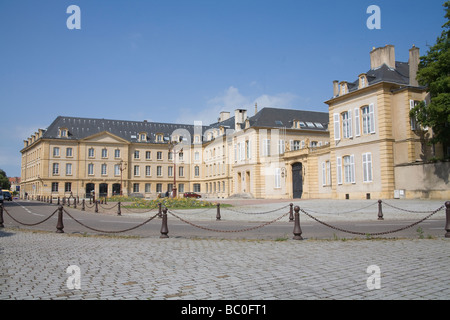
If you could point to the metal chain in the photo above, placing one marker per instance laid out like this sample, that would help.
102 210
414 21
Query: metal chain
228 231
131 209
236 211
101 206
29 224
351 211
106 231
203 211
410 211
372 234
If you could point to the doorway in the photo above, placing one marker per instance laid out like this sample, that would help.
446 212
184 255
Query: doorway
297 180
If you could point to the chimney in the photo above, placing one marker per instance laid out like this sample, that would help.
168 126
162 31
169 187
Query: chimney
335 88
383 55
240 115
256 108
224 115
414 58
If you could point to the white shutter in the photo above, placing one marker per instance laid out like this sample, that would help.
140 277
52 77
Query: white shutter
339 169
350 131
372 117
277 177
337 127
365 172
324 174
352 168
357 123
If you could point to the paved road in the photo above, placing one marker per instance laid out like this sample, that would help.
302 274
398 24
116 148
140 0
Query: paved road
34 264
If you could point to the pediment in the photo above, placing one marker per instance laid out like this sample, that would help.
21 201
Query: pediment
105 137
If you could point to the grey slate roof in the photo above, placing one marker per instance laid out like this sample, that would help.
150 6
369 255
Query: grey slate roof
80 128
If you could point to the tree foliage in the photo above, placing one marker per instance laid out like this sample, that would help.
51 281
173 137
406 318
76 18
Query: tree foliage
4 181
434 73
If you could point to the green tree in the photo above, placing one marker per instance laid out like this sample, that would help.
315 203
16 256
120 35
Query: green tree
4 181
434 73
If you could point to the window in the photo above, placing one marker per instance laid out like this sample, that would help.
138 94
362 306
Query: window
337 127
296 145
142 137
197 171
347 124
181 156
104 153
148 187
117 153
91 152
368 119
170 171
136 170
55 169
281 146
54 186
277 178
266 147
248 147
159 137
136 154
69 152
412 120
181 188
135 187
90 169
148 170
349 169
241 151
117 169
159 187
148 155
68 187
159 171
326 173
367 167
56 151
197 156
196 187
181 171
339 170
68 169
159 155
104 171
357 123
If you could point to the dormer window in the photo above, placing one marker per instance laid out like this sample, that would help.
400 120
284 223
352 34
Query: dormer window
344 88
63 132
159 137
143 137
363 81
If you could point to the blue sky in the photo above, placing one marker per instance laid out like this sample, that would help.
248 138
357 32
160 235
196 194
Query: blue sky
180 61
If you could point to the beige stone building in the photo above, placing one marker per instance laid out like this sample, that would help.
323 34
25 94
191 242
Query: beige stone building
365 147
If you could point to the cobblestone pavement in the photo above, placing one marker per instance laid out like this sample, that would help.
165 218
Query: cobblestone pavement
33 266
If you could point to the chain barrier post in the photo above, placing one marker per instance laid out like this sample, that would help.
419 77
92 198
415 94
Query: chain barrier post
380 211
447 218
75 203
218 212
297 229
96 206
119 213
59 201
160 210
164 229
60 225
291 212
1 216
83 204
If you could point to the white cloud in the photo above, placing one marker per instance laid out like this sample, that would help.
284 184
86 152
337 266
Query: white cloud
232 99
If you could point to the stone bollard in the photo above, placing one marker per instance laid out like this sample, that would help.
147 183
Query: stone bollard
119 213
83 204
380 210
218 212
291 212
447 218
75 203
297 229
164 229
60 225
96 206
1 216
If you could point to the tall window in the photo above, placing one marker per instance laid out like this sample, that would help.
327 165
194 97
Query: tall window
159 171
90 169
368 119
56 151
135 187
181 171
277 178
117 169
104 153
349 169
91 152
136 154
54 186
104 167
197 171
68 169
159 155
68 187
170 171
69 152
367 167
55 168
266 147
347 124
148 155
117 153
148 170
136 170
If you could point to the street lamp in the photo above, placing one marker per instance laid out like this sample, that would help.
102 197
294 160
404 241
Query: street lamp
172 146
122 166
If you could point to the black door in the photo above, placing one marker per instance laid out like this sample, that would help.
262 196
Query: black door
297 180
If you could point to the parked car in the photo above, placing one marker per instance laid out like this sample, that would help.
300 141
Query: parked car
7 195
192 195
